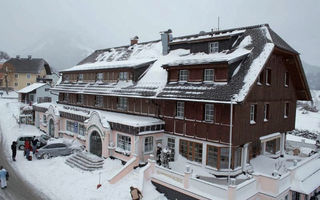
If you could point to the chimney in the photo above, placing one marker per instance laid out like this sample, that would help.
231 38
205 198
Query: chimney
17 56
29 57
134 40
166 37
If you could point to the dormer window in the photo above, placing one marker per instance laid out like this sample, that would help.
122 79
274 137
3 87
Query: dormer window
208 75
99 76
80 77
214 47
183 75
123 76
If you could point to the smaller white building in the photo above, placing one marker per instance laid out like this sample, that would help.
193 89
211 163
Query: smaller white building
37 93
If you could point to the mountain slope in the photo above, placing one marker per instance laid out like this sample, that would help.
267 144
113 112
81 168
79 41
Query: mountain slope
313 74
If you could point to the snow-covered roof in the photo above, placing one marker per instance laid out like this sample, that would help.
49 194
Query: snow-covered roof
31 87
121 118
250 48
306 178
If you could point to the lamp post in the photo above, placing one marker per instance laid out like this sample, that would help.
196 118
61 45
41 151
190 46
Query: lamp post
230 139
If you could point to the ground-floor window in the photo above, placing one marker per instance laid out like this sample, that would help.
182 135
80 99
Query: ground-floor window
81 129
124 142
191 150
72 126
148 144
218 157
295 195
171 145
273 146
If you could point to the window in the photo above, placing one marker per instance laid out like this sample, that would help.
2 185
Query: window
224 158
286 197
123 76
99 76
122 103
171 145
208 113
28 76
268 76
124 142
80 98
273 146
99 101
286 110
237 158
148 144
286 79
82 129
72 126
15 84
208 75
31 97
213 47
183 75
16 75
266 112
44 120
260 78
253 108
66 97
80 77
212 157
66 77
180 109
28 84
191 150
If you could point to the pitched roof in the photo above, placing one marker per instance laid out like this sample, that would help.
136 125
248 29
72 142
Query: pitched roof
26 65
246 58
31 87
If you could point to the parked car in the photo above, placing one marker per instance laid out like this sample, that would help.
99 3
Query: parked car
42 140
56 149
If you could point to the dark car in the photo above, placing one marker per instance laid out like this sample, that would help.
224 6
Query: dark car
56 149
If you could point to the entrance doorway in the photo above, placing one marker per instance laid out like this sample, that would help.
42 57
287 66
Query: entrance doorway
95 144
51 128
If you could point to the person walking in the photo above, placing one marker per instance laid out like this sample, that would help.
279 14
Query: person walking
34 144
27 148
3 177
135 193
14 150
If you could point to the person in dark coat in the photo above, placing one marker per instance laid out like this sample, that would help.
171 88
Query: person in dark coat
135 193
14 150
34 144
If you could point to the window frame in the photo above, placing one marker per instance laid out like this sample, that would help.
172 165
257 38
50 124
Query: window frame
180 109
16 75
192 155
286 79
28 75
99 76
80 98
209 114
122 103
80 77
260 78
213 47
266 112
124 142
253 113
183 75
123 76
98 101
286 110
206 75
148 144
268 77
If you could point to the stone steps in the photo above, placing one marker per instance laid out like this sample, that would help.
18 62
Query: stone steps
85 161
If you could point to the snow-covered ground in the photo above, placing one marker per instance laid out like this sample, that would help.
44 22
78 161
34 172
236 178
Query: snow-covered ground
58 180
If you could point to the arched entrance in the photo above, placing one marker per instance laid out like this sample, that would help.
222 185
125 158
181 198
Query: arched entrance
51 128
95 144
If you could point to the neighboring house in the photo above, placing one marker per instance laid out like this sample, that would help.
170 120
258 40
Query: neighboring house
1 76
197 95
23 72
36 93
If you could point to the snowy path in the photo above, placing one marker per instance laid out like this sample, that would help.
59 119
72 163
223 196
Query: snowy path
17 187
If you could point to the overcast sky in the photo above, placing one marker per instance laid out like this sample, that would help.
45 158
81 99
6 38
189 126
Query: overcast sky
104 23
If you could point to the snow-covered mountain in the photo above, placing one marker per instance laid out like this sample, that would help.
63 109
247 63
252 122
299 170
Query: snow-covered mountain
313 74
61 51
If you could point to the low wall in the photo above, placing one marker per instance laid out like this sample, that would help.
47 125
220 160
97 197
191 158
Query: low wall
124 170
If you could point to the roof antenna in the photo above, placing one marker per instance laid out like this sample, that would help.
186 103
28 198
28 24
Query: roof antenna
218 23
